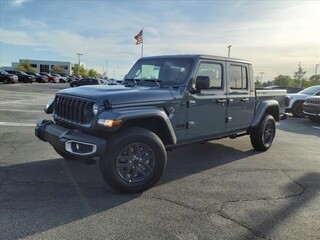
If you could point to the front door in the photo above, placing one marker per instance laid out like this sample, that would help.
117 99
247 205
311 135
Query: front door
207 109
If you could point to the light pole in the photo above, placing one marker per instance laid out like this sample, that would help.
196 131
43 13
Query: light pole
261 73
79 54
229 50
316 71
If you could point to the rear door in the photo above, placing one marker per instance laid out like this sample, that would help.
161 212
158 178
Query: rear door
241 99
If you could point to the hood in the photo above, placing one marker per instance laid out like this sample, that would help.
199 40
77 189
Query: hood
297 95
120 94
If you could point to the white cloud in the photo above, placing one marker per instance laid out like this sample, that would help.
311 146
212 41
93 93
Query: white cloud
19 3
276 38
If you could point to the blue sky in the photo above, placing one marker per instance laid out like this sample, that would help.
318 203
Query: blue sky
274 35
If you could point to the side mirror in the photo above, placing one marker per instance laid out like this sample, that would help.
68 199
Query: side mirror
202 82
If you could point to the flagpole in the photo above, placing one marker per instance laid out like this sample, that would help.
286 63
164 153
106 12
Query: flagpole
142 43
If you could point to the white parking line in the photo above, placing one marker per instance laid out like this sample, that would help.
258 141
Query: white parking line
316 127
11 124
24 100
10 93
21 110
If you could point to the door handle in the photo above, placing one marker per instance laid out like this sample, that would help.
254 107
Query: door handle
221 101
244 99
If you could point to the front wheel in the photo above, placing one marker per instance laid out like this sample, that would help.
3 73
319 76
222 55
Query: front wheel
297 110
262 136
134 161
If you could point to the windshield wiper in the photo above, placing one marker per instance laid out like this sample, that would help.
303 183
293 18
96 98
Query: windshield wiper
157 81
133 80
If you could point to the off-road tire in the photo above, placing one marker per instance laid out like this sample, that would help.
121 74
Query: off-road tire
133 153
297 110
262 136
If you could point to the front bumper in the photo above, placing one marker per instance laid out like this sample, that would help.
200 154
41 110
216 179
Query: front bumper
70 141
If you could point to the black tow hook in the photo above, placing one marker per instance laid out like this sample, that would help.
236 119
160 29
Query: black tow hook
40 126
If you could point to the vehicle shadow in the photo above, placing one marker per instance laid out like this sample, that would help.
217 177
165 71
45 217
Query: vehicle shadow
305 127
51 193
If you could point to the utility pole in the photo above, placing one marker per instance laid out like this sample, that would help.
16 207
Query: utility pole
229 50
79 54
300 75
261 74
316 71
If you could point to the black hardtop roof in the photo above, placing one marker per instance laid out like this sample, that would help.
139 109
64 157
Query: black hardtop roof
200 56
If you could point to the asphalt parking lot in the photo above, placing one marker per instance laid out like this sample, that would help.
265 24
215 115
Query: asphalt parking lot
217 190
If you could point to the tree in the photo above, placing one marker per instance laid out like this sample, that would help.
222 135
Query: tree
299 76
93 73
82 71
26 67
283 81
57 69
257 82
314 80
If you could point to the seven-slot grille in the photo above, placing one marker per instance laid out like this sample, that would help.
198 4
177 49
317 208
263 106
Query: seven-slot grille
76 110
313 100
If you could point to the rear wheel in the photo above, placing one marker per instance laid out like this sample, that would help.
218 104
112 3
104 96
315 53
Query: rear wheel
262 137
134 161
297 110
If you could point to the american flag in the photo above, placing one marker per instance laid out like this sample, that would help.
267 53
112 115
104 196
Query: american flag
139 37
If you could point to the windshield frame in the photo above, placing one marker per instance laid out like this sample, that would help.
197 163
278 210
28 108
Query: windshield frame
168 63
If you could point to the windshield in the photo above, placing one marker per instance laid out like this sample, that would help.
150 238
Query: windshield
164 71
310 90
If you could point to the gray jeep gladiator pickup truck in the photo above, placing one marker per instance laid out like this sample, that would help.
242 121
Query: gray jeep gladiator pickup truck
165 102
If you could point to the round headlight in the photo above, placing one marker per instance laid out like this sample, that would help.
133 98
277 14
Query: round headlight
95 109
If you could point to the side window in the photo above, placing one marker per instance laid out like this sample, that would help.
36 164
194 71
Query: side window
238 77
213 71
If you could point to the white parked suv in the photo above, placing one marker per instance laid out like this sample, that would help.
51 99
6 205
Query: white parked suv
297 99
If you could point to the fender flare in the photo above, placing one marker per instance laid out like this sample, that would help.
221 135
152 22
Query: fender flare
262 108
127 114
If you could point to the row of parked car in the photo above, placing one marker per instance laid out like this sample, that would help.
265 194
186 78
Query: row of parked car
305 103
14 76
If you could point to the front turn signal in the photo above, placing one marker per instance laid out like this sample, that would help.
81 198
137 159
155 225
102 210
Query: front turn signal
109 122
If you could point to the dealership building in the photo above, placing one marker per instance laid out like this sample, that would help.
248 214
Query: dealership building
44 66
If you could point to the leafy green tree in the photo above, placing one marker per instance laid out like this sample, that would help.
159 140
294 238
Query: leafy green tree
283 81
314 80
93 73
257 82
82 71
26 67
299 77
57 69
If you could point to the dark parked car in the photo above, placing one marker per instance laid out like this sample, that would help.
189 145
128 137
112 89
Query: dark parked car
39 78
311 108
84 81
51 79
7 77
22 76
